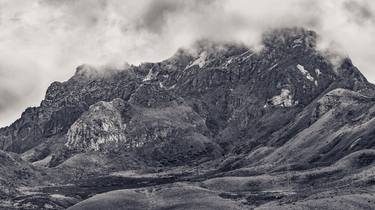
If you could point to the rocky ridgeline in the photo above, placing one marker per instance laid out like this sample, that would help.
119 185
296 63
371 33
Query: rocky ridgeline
229 127
200 103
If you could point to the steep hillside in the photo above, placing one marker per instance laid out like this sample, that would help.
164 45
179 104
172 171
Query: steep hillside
240 128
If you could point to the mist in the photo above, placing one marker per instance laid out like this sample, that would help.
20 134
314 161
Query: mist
42 41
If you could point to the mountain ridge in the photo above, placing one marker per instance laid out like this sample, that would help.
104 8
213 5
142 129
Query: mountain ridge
241 116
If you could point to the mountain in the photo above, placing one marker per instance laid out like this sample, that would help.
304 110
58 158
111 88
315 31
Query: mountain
218 126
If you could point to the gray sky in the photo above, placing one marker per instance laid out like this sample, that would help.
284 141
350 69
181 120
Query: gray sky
44 40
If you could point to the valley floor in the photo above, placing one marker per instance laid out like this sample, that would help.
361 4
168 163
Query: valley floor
195 188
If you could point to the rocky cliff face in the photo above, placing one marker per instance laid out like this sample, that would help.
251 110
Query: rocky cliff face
101 126
248 116
224 92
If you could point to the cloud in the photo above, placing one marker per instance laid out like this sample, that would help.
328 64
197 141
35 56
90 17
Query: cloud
44 40
360 11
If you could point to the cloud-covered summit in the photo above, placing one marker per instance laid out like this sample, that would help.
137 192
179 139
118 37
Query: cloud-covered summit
44 40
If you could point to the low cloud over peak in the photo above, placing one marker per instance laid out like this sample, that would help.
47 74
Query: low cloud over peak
44 40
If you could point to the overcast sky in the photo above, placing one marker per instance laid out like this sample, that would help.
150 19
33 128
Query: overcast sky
44 40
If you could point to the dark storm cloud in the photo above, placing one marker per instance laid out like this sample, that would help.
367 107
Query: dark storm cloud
44 40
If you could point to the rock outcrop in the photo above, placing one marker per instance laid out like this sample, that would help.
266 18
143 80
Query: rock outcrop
283 123
100 127
226 93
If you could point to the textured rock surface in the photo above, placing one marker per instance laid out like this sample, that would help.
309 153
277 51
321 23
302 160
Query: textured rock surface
101 126
231 88
250 129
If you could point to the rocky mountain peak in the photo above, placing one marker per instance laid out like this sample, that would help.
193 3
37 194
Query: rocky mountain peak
222 83
230 118
290 38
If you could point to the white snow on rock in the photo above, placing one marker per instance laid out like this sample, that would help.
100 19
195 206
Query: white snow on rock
201 61
149 76
59 196
246 55
161 85
318 72
297 42
305 72
285 99
274 66
229 62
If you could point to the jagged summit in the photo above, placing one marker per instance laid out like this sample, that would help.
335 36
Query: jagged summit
233 118
290 38
215 79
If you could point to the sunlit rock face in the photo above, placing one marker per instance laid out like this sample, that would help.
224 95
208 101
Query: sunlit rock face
99 128
164 127
221 123
222 93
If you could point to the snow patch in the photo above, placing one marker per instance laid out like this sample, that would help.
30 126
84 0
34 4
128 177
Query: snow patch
297 42
274 66
149 76
201 61
161 85
247 51
229 62
58 196
246 55
285 99
305 72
